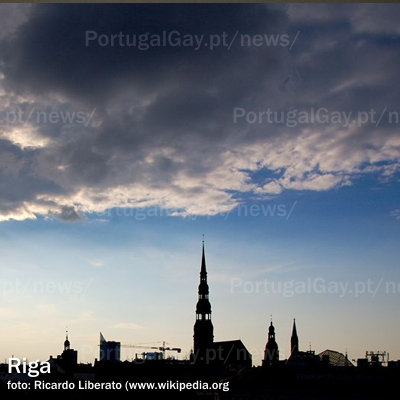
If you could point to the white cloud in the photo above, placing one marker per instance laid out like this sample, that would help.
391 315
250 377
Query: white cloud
19 213
24 137
273 187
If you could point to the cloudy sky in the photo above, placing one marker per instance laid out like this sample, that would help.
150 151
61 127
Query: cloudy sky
126 132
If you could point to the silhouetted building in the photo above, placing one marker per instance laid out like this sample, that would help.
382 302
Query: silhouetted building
297 357
335 359
394 364
232 354
67 361
271 352
109 350
362 363
69 356
294 340
203 328
375 358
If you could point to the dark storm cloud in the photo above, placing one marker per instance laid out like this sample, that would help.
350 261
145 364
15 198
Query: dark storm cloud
155 126
49 53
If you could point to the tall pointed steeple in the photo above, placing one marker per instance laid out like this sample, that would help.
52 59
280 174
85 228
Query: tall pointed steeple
203 271
294 340
203 327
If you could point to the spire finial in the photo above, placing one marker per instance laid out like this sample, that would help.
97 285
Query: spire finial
203 271
203 239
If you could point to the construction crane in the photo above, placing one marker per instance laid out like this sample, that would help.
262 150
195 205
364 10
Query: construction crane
162 348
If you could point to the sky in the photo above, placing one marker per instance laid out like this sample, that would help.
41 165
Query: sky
129 131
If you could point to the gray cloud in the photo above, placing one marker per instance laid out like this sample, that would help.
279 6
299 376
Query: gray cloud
69 214
156 127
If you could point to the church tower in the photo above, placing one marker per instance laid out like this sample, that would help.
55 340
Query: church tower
271 352
69 357
203 327
67 344
294 340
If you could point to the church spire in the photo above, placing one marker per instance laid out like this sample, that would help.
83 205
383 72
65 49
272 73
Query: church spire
294 340
203 270
203 328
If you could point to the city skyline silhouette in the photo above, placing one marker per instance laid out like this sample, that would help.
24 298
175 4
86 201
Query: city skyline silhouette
205 349
228 363
128 132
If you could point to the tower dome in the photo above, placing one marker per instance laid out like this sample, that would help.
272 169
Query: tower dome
67 344
271 353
